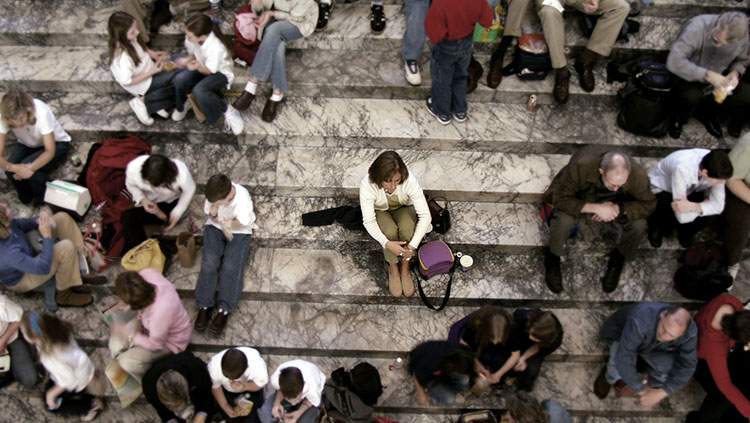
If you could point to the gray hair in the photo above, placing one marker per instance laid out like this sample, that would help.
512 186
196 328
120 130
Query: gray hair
735 23
615 160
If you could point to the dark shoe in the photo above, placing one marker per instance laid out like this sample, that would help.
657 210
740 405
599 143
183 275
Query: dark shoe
495 75
585 70
68 298
562 82
81 289
269 110
244 101
219 322
614 269
601 386
204 316
655 237
552 272
475 72
635 8
623 390
324 13
377 19
443 119
712 126
94 280
734 127
675 127
161 15
685 238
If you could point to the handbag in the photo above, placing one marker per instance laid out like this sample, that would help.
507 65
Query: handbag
94 250
144 256
441 217
435 258
186 249
495 30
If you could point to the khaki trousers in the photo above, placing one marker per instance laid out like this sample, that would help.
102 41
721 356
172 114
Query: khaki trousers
612 14
64 258
397 225
137 360
138 9
517 9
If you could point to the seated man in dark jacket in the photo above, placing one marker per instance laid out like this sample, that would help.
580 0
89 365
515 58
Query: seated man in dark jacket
610 187
665 337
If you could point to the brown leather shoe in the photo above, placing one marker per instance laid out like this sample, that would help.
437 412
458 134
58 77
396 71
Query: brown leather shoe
219 322
269 110
244 101
495 75
68 298
561 90
407 284
475 72
204 316
601 386
585 70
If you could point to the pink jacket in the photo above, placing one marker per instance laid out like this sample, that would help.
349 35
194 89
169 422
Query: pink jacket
165 322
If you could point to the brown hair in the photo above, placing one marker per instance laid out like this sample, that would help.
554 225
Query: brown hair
200 24
159 170
52 331
14 103
387 165
544 326
233 364
218 187
291 382
524 408
134 290
117 27
173 390
491 325
737 326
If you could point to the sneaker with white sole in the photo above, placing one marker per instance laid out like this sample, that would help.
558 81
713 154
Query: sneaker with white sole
443 119
411 70
177 115
83 264
233 120
163 113
139 108
460 117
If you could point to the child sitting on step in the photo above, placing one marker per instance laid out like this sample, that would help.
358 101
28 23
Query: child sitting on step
238 373
209 72
298 387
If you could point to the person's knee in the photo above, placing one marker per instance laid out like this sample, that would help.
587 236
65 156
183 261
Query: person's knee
621 8
64 249
638 226
406 229
27 377
549 13
390 232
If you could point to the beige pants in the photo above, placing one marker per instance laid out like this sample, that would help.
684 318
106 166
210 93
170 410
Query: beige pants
517 9
138 9
397 225
64 258
612 12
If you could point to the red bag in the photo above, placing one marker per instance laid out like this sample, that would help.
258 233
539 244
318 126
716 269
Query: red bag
243 48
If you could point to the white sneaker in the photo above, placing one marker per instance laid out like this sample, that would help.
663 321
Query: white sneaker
233 120
411 69
163 113
733 269
139 108
178 116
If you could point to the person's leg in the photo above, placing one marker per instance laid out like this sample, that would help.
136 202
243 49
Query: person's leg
18 155
64 269
460 75
662 221
22 362
160 95
137 360
390 229
264 413
233 272
715 404
612 374
269 45
184 81
67 228
554 33
685 97
137 9
633 232
285 31
214 244
133 221
612 15
559 232
38 181
414 33
514 17
734 229
527 378
406 221
659 366
310 415
209 93
441 70
737 104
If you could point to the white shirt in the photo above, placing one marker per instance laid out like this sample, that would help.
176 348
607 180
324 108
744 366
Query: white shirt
31 135
372 197
240 208
213 55
124 69
10 312
183 187
678 173
256 370
69 366
314 380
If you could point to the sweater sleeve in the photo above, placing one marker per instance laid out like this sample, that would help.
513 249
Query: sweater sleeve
716 358
564 197
678 61
435 24
424 219
627 354
685 362
133 179
742 60
367 204
32 265
187 188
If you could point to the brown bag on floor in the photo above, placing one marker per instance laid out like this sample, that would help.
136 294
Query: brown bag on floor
186 249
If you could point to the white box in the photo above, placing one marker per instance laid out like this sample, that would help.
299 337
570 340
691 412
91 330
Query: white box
68 196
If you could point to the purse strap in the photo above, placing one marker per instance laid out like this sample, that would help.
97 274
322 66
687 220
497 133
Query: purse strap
440 198
447 296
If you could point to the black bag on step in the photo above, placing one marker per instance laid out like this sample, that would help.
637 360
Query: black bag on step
587 23
645 101
702 277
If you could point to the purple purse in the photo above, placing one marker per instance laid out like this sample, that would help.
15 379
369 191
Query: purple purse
435 258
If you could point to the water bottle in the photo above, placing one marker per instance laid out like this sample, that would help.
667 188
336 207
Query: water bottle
216 11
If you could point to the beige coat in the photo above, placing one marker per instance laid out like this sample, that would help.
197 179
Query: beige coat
302 13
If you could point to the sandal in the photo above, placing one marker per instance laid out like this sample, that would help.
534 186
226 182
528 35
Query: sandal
94 411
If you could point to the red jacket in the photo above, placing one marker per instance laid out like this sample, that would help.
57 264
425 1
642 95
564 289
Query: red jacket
713 346
455 19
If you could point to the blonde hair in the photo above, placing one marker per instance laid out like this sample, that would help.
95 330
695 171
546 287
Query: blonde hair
173 390
46 330
14 103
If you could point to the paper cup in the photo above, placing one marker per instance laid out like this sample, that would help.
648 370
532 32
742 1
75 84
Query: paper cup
466 262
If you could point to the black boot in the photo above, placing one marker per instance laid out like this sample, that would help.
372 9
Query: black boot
614 269
475 72
552 272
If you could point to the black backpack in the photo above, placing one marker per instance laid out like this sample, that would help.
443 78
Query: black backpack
702 277
349 396
645 101
627 66
363 380
587 23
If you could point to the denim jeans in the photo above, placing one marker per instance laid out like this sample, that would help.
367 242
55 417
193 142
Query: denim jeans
160 94
444 391
265 416
556 412
659 365
449 67
232 397
33 188
415 34
207 89
271 57
231 258
22 362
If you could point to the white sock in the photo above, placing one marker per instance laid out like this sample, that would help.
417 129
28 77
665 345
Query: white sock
325 1
277 97
230 110
251 87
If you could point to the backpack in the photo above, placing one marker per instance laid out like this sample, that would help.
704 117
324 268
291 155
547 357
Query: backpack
702 277
587 23
105 179
645 101
434 258
363 380
245 43
349 396
628 66
532 60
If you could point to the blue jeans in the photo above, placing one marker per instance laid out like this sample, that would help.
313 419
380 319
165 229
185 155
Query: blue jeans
265 416
444 391
22 362
271 57
33 188
449 67
208 90
234 253
659 365
160 94
231 397
415 34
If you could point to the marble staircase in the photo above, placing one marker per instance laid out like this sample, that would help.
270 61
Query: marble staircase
319 293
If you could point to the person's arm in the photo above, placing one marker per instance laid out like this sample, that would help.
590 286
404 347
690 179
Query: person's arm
507 366
195 65
221 401
32 265
424 219
685 362
133 179
422 398
679 193
293 416
678 61
739 188
25 171
716 358
714 205
52 394
626 355
187 188
159 323
4 163
367 204
12 328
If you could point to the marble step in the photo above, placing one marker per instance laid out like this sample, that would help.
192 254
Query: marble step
375 124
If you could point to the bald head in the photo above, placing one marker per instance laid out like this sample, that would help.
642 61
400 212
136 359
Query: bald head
672 324
615 170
